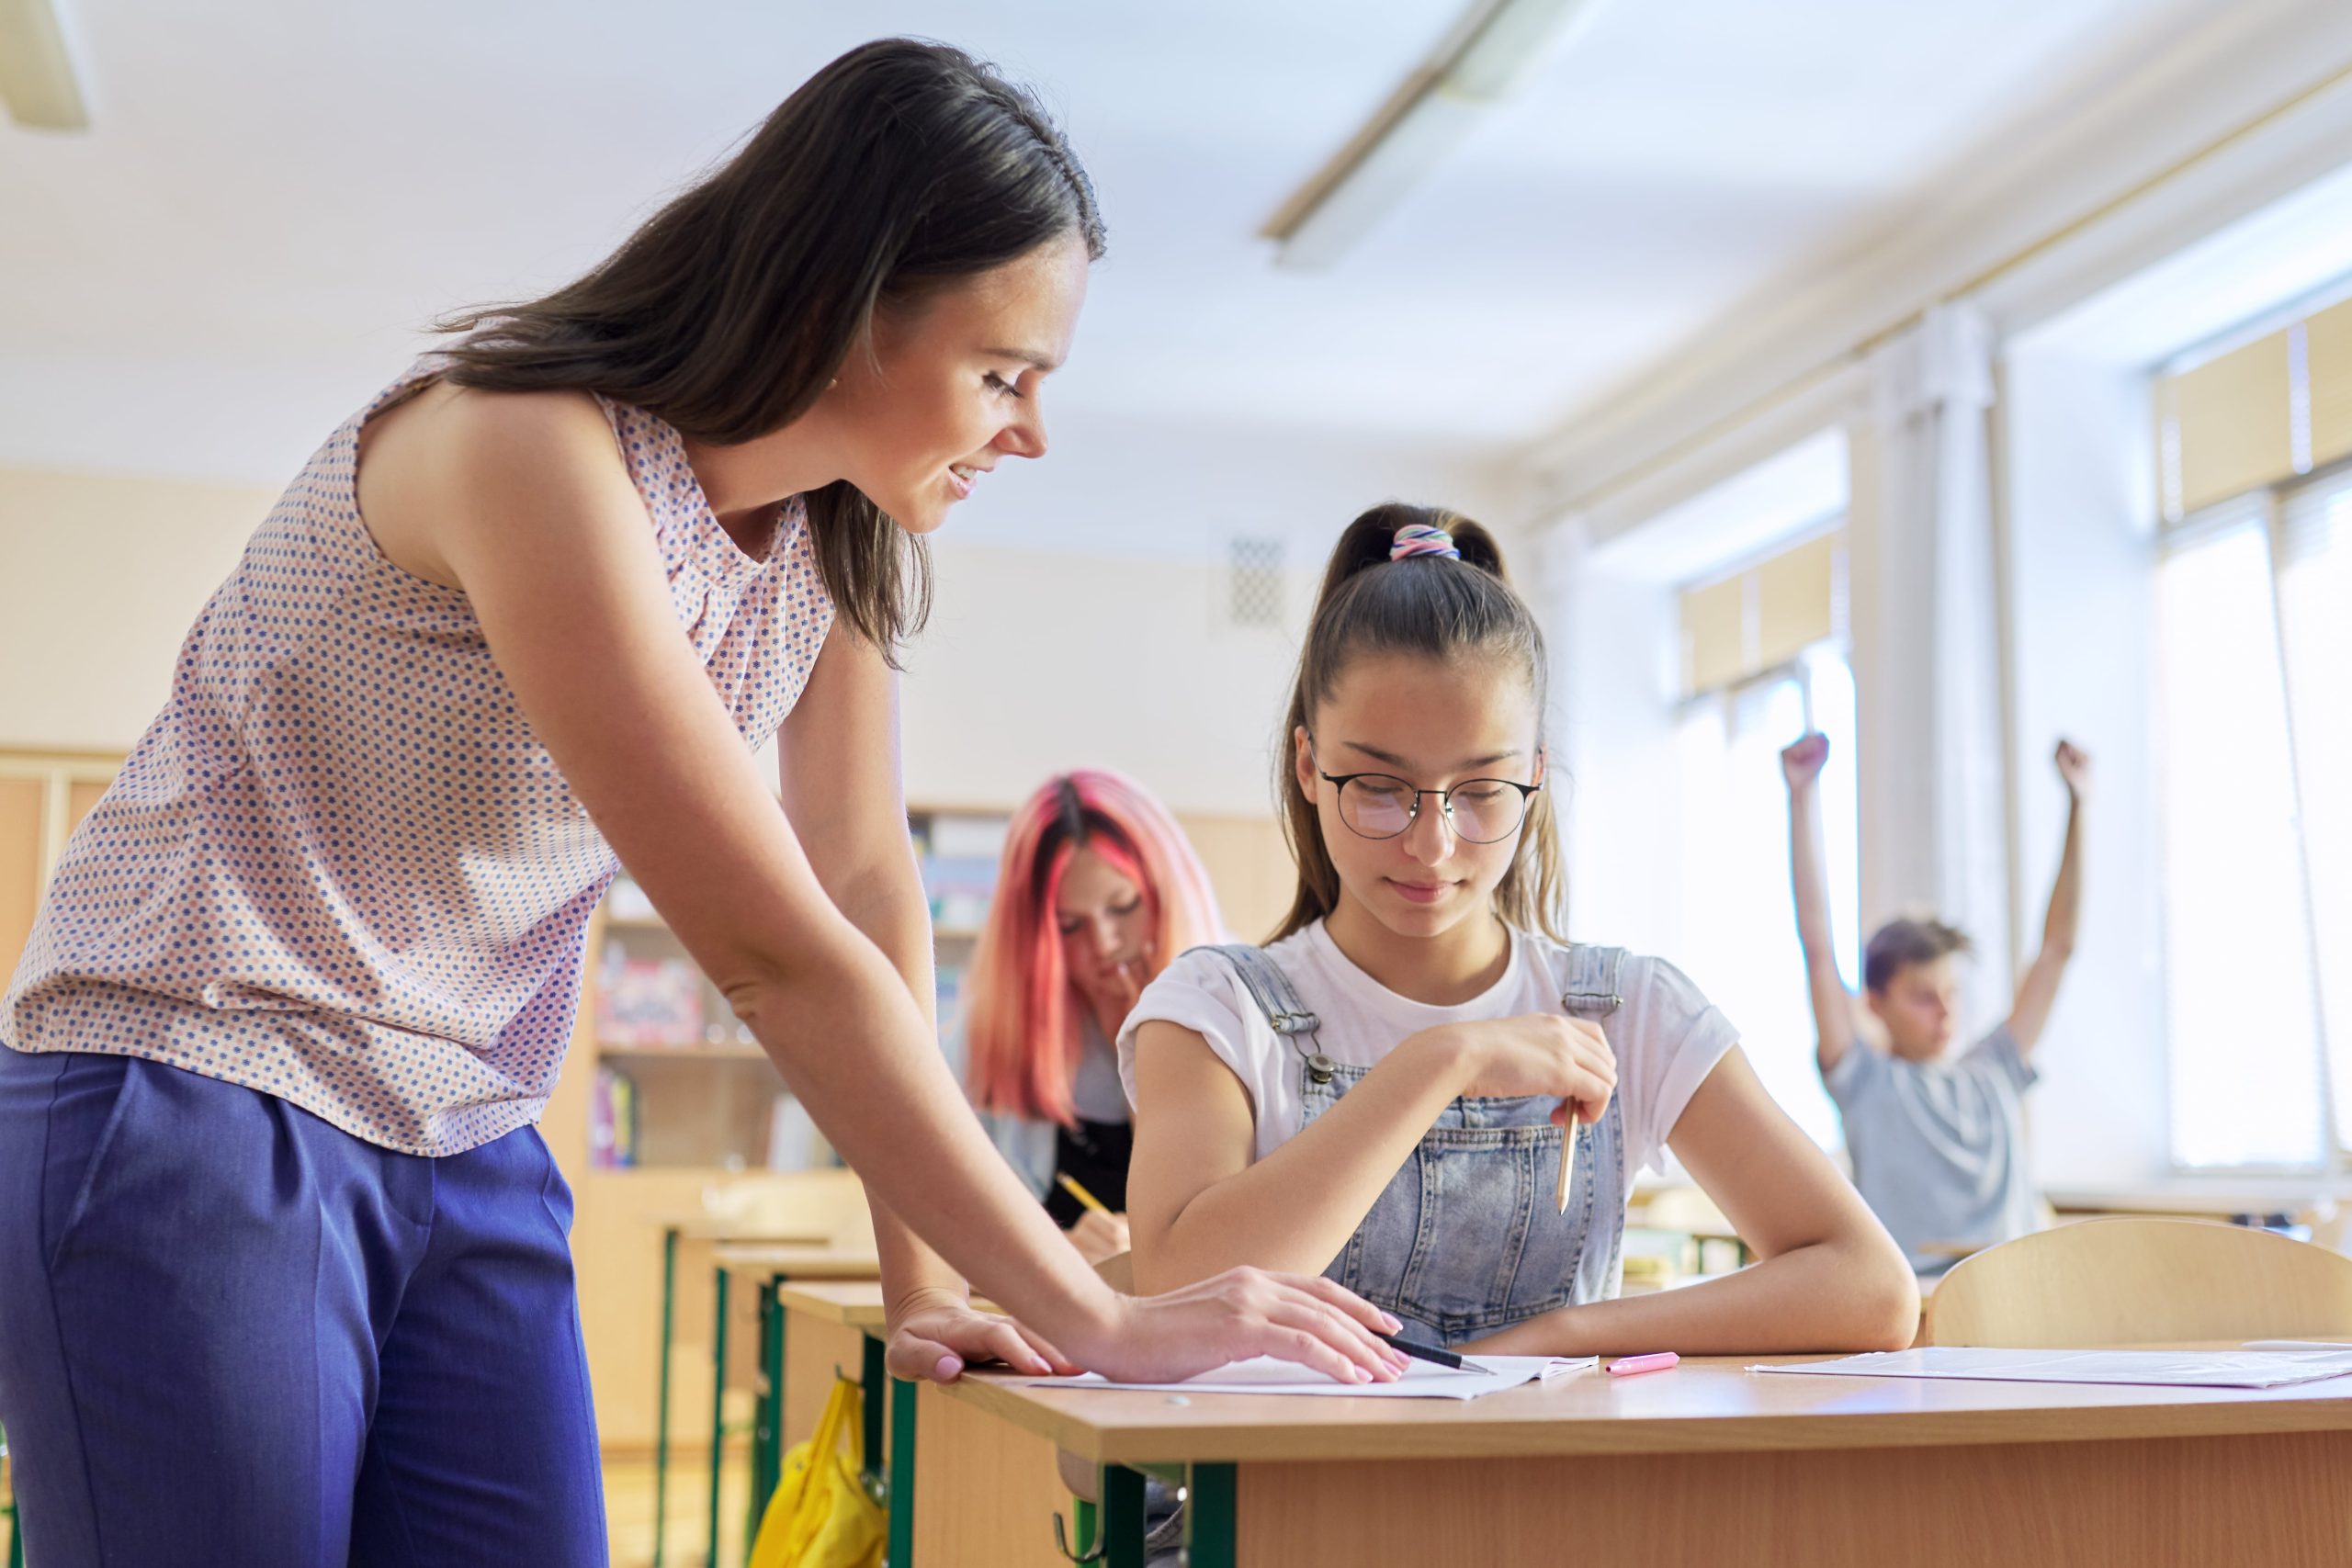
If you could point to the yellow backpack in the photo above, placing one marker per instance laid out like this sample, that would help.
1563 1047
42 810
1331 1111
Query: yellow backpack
821 1514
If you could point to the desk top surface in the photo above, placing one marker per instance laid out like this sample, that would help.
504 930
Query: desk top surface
800 1261
1705 1406
855 1304
727 1233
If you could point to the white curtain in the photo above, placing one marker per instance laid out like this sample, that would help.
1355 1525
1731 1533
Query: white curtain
1927 659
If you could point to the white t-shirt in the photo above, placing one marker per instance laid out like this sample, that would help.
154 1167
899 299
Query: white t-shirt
1667 1037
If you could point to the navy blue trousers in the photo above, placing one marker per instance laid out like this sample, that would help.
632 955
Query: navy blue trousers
233 1334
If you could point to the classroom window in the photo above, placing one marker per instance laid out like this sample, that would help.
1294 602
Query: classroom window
2316 613
1738 938
2254 672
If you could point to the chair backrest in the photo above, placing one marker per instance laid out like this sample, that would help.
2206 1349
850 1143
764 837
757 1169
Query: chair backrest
2141 1281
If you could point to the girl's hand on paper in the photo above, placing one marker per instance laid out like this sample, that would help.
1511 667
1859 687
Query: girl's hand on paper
937 1335
1540 1054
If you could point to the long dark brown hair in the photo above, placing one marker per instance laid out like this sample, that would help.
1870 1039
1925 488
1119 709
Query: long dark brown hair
902 165
1439 608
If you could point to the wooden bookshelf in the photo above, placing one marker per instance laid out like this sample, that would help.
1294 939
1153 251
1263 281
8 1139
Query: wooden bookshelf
724 1051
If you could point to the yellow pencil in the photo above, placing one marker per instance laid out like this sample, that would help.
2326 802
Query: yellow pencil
1568 1155
1071 1186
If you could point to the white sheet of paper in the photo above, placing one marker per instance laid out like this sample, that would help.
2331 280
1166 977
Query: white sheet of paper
2298 1345
1422 1380
2170 1369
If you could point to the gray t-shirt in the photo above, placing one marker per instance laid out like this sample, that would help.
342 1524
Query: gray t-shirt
1939 1147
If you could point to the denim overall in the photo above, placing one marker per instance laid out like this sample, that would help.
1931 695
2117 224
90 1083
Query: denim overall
1467 1239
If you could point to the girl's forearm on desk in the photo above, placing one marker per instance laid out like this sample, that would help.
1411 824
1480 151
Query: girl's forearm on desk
1828 1296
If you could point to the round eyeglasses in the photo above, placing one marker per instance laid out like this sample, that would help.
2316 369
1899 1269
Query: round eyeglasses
1381 806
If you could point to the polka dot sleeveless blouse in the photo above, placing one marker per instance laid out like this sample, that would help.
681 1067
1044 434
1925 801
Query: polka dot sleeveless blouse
339 867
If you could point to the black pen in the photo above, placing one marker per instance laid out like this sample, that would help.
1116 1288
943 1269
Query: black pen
1421 1352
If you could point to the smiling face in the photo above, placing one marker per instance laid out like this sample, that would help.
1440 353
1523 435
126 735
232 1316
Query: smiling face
1435 724
948 387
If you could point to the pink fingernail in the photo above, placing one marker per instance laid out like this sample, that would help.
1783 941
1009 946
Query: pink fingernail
947 1368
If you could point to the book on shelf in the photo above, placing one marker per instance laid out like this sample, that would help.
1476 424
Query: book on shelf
612 1121
959 853
649 1001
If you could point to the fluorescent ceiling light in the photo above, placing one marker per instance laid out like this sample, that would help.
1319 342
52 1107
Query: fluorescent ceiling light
1480 63
37 79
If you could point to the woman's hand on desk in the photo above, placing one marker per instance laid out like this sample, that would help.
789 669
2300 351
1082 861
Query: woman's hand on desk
1244 1313
936 1335
1240 1314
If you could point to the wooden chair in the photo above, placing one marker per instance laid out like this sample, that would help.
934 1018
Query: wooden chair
2141 1281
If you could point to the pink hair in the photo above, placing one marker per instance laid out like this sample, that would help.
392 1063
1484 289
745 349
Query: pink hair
1021 1010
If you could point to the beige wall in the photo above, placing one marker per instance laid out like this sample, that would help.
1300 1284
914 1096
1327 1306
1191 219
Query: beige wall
100 576
1039 660
1035 660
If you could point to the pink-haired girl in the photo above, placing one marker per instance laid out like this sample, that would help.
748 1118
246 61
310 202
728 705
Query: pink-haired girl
1097 890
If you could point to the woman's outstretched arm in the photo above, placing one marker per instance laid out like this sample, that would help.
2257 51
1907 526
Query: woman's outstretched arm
523 501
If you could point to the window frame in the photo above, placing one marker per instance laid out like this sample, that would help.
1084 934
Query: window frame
2267 506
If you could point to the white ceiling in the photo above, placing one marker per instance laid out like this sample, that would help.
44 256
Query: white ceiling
278 193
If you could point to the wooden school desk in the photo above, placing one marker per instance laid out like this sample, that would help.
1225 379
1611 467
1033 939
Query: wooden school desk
1706 1464
827 1329
772 1266
699 1228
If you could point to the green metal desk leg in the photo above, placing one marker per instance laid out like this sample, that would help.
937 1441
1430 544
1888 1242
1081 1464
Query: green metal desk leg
661 1405
767 1421
718 1406
900 1551
1209 1496
1122 1521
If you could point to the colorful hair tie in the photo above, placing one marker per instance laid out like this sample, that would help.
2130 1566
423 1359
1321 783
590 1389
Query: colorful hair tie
1421 539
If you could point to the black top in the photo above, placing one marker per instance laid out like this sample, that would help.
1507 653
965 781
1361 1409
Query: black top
1095 1155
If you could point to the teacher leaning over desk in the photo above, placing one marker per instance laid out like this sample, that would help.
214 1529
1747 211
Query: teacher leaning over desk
284 1272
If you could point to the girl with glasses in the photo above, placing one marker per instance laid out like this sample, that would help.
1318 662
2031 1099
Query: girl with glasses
1388 1092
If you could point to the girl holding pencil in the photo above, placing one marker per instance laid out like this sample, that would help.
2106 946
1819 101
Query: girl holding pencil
1097 889
1381 1093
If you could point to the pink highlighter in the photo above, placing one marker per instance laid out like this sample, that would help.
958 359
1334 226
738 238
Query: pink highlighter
1628 1366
